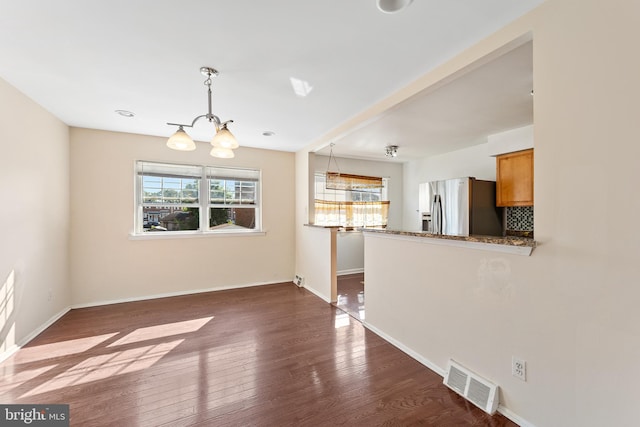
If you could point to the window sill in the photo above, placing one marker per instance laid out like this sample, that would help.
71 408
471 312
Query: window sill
193 235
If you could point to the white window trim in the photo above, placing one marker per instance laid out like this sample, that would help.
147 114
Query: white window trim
195 234
204 206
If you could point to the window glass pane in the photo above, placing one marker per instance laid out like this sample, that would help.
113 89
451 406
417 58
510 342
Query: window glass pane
232 192
248 195
216 189
169 190
169 218
152 181
189 196
230 219
231 196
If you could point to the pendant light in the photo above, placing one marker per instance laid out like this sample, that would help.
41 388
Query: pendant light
223 141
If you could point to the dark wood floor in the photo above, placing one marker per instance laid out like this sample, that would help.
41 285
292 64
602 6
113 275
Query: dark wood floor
351 295
266 356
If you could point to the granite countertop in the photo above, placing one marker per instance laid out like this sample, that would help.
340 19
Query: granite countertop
508 240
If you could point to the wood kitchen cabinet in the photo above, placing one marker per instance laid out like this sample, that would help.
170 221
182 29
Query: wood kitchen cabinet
514 176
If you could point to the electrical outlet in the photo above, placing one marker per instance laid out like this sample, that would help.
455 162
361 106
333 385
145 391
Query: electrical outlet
299 280
519 368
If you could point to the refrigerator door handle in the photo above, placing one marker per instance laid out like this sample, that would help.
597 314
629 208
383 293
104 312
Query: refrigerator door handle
436 215
440 215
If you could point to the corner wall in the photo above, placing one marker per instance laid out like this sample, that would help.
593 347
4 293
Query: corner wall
108 266
34 218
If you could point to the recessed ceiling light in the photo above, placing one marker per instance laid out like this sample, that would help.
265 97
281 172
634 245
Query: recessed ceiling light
268 133
392 6
125 113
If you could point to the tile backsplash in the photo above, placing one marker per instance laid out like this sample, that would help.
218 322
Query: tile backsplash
520 218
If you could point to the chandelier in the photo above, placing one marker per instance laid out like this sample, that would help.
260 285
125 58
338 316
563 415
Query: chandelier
391 150
223 141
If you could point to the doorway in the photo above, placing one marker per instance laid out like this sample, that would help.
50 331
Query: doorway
350 273
351 295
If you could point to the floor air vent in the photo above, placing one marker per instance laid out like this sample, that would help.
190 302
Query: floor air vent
475 389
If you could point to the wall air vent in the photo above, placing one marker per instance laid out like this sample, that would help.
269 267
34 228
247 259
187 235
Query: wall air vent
477 390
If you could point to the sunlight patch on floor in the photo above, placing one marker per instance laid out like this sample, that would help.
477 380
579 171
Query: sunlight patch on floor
19 378
106 365
60 348
162 331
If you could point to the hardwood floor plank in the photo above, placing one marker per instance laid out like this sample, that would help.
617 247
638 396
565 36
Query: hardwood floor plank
263 356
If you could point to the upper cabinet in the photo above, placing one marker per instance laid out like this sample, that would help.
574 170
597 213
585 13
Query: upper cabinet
514 176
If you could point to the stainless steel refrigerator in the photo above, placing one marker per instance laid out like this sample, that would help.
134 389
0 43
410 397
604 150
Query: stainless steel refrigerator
461 207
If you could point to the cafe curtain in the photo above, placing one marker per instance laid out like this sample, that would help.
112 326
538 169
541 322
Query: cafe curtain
351 214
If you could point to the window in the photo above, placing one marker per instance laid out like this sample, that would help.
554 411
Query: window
350 208
233 198
185 198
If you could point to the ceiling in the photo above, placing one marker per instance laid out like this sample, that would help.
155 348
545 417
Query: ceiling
83 60
490 99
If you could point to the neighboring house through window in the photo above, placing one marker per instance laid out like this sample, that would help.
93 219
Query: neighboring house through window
188 198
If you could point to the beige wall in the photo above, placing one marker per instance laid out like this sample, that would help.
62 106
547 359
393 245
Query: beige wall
350 252
34 218
570 309
109 266
313 244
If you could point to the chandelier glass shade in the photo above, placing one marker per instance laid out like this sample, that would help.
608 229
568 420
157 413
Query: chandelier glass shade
223 141
181 141
222 153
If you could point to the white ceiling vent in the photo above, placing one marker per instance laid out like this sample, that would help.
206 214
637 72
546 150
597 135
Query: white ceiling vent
477 390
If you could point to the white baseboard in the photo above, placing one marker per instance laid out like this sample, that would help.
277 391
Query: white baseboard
11 350
175 294
435 368
426 362
350 271
318 294
514 417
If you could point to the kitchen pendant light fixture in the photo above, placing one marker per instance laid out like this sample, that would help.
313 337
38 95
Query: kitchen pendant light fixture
223 141
346 181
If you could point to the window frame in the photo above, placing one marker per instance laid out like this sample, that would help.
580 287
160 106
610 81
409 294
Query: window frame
203 204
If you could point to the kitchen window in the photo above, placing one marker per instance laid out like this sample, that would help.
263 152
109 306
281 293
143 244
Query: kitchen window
189 199
350 208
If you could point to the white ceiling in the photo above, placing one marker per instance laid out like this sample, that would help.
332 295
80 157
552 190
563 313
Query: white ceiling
82 60
490 99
